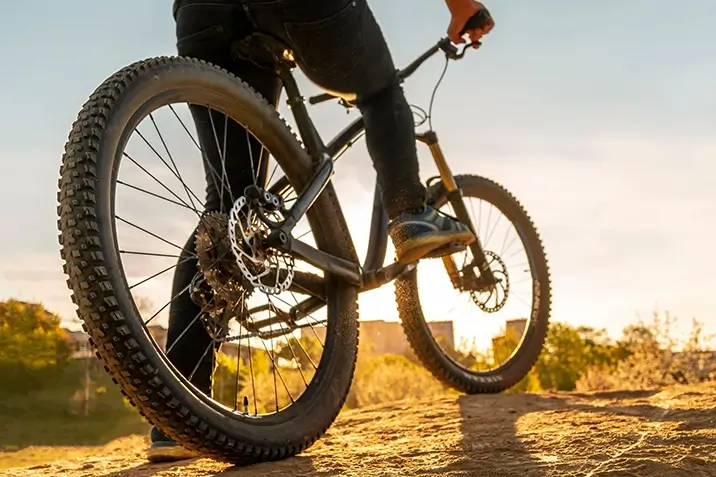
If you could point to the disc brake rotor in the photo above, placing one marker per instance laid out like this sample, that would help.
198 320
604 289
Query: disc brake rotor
493 299
269 270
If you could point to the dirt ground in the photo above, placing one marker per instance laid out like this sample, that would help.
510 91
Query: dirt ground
657 433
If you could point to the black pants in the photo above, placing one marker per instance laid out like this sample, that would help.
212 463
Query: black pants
339 46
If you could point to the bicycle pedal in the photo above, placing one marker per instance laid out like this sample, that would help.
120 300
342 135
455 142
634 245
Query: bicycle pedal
447 249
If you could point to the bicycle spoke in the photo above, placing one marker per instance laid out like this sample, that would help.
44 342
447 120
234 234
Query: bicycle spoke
196 143
251 157
297 360
177 174
489 235
223 164
238 361
222 157
273 171
148 254
275 369
301 346
206 351
151 234
253 383
160 273
214 173
504 242
166 305
238 376
193 321
157 180
156 195
273 360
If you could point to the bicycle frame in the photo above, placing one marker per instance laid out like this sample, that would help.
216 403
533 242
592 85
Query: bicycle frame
372 274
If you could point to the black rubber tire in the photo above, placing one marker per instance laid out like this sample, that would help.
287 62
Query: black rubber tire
421 340
100 291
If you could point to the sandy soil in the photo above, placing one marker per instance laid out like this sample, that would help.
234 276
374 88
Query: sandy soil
658 433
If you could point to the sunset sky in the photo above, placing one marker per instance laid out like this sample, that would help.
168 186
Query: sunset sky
598 116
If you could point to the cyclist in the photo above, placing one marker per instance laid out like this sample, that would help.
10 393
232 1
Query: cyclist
339 46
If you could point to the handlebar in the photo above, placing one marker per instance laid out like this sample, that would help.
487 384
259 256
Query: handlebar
451 51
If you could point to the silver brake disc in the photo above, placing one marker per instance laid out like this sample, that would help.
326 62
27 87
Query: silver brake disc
256 264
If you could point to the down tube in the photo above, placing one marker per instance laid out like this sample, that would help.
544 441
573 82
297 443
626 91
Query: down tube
378 239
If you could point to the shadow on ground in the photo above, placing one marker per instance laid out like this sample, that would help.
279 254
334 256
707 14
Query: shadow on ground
670 433
470 436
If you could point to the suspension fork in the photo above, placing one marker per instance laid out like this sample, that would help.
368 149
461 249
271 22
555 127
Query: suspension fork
454 196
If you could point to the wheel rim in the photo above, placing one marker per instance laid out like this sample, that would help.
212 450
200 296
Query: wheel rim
301 350
454 330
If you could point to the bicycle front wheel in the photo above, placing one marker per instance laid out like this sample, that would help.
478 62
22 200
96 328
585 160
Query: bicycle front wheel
231 422
498 355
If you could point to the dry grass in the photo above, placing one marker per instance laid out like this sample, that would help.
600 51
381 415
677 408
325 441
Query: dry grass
656 359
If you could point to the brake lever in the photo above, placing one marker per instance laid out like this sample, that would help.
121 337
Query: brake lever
475 44
454 52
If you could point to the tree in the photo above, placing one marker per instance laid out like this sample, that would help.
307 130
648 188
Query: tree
32 344
569 352
30 336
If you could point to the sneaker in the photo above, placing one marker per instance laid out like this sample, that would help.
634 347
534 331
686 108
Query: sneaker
163 449
429 233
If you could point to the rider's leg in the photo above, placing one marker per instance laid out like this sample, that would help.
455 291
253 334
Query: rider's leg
191 346
340 46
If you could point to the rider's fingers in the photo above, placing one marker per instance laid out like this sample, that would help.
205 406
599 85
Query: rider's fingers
488 26
454 33
475 35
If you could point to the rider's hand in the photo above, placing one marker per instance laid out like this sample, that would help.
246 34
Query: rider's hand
462 11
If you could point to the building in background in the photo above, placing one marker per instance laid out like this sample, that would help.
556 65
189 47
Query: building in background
388 337
80 347
514 330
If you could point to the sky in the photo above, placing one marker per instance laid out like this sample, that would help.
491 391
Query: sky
598 116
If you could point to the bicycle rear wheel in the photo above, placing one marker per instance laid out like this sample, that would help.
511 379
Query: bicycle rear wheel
466 367
101 289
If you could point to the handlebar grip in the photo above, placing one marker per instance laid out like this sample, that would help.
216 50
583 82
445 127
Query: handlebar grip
478 20
321 98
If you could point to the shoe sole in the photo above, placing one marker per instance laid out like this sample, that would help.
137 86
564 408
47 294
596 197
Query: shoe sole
169 454
420 247
449 249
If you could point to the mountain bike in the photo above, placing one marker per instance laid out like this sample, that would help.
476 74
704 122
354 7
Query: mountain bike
251 244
